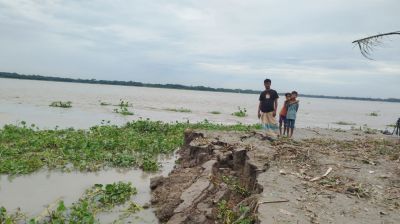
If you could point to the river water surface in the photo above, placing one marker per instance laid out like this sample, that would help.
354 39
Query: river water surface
26 100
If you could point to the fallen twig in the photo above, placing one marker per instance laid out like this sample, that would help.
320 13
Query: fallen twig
269 202
325 174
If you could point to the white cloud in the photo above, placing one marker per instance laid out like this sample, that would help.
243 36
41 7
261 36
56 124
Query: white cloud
205 42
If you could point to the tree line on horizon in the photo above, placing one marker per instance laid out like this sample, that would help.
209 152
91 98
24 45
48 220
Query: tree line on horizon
171 86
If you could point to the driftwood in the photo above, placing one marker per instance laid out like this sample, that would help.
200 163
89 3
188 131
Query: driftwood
320 177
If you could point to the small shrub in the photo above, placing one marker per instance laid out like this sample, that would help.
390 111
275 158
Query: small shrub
240 113
123 108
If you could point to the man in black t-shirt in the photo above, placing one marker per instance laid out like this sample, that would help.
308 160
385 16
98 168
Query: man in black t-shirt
267 108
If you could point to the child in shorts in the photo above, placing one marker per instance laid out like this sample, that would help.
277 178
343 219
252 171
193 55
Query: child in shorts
282 115
292 108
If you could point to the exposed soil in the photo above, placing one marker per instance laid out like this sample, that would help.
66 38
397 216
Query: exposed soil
322 176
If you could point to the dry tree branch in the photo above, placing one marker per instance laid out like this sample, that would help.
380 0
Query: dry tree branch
367 44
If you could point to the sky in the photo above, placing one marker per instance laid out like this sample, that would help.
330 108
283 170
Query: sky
301 45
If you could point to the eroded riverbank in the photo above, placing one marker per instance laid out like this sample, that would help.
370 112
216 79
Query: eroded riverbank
323 176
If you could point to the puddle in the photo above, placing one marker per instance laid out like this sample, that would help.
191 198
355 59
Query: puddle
34 192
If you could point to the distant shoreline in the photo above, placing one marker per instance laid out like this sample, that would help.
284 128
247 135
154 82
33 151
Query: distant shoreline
173 86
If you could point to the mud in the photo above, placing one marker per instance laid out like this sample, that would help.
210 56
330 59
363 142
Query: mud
283 181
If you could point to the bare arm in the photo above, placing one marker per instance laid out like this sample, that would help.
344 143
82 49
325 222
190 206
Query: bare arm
275 106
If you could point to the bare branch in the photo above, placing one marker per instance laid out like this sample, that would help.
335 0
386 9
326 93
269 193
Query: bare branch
367 44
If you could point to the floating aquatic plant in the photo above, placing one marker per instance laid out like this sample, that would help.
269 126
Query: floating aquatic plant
62 104
25 149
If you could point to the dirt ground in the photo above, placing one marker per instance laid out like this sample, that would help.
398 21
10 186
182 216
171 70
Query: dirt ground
320 176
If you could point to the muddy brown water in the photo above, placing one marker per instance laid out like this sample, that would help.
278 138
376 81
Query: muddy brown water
28 100
34 192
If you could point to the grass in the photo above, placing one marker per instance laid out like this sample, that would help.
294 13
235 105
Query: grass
227 215
240 113
62 104
25 149
214 112
99 198
181 110
234 185
344 123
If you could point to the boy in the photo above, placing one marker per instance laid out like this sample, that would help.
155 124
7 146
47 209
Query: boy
282 115
268 104
292 108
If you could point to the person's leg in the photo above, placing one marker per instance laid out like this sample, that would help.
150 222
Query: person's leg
285 126
280 125
291 127
288 128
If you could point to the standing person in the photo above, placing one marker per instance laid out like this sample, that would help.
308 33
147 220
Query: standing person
267 109
282 115
292 108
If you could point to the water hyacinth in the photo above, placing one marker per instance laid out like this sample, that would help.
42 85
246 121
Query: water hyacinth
25 149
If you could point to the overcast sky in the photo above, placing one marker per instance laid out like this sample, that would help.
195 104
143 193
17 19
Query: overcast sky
301 45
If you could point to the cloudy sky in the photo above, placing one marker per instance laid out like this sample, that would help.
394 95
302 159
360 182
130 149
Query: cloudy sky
303 45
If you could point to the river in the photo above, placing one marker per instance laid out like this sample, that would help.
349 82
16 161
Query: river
26 100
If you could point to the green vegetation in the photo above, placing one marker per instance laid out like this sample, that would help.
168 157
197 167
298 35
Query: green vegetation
104 104
240 113
234 185
227 215
181 110
25 149
110 195
123 108
214 112
344 123
66 104
97 199
373 114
